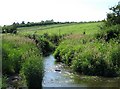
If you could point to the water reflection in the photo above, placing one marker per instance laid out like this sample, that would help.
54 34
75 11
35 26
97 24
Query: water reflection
56 75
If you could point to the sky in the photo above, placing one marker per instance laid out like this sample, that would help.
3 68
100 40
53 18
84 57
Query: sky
58 10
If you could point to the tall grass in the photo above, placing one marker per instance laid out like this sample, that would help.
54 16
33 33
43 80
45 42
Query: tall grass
32 72
19 53
13 50
90 56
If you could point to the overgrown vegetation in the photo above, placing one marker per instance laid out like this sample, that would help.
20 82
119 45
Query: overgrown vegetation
32 72
17 53
9 29
46 43
109 33
90 57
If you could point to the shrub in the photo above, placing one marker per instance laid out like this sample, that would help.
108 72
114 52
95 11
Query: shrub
4 82
32 70
108 33
9 29
91 58
115 56
45 46
55 39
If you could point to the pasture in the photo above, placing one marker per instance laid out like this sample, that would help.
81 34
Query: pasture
88 28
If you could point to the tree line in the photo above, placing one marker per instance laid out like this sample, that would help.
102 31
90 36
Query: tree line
13 28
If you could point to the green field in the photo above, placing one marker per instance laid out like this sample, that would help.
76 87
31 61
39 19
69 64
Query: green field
89 28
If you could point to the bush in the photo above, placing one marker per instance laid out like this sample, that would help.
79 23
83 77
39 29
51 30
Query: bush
91 58
4 82
115 58
9 29
55 39
63 54
32 70
109 33
45 46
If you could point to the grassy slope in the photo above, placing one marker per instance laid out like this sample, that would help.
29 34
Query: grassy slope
31 30
89 28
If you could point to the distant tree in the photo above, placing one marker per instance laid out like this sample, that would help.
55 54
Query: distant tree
23 22
9 29
14 23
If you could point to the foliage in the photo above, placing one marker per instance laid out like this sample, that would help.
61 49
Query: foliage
14 49
45 46
17 51
9 29
43 43
115 56
32 71
4 82
108 33
91 58
114 17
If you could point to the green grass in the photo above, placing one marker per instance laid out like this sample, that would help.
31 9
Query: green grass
17 52
89 28
31 30
89 56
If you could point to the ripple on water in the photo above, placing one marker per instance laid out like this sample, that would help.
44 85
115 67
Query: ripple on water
57 76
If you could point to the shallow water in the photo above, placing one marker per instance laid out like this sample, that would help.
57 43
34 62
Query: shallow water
56 75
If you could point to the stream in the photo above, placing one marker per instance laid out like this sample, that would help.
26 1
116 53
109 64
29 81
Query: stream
57 75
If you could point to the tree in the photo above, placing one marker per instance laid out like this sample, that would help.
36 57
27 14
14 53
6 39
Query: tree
23 22
9 29
114 17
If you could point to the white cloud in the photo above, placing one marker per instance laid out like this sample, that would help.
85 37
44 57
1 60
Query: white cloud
59 10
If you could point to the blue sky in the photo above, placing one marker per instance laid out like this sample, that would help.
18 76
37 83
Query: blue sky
59 10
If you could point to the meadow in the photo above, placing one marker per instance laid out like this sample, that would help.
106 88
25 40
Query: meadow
89 28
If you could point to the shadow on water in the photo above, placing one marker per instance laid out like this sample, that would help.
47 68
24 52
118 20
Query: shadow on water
56 75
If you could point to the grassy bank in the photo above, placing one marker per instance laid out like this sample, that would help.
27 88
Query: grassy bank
21 56
90 57
92 54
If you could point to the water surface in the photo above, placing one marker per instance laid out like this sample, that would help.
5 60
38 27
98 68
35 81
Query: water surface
57 75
